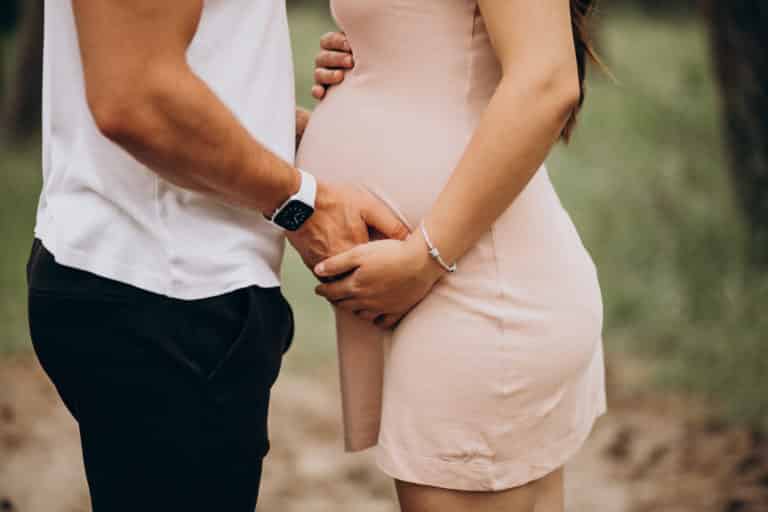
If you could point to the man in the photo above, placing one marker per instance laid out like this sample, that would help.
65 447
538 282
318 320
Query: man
155 305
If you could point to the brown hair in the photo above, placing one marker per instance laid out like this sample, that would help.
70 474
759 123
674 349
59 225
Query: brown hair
581 11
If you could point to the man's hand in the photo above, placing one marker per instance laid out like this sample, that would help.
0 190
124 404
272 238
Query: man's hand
345 217
332 63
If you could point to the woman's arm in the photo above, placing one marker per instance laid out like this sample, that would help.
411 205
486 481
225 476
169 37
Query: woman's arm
524 119
538 91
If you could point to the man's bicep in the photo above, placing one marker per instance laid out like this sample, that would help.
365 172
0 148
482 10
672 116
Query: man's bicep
121 39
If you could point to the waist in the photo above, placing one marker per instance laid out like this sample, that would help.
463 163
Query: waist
185 254
45 275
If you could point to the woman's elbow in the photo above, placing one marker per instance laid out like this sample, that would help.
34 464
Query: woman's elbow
558 89
569 96
572 96
562 90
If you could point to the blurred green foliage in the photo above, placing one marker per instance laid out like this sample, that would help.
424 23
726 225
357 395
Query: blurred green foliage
645 180
647 183
19 186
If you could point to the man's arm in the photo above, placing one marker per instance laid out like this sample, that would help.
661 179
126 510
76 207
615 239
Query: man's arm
144 97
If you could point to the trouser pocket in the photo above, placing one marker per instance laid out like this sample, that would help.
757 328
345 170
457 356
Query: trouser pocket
35 251
256 355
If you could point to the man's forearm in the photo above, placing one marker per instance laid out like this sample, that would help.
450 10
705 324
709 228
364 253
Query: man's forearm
175 125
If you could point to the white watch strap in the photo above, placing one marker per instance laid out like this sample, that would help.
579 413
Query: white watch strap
308 190
307 194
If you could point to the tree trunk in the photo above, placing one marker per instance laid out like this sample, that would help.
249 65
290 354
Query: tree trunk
22 112
8 20
9 13
3 68
740 50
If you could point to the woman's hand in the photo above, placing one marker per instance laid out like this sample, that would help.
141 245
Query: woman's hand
383 280
332 63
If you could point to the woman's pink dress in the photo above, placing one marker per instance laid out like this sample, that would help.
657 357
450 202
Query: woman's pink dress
497 377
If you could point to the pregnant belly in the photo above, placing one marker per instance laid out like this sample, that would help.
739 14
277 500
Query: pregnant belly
532 256
403 153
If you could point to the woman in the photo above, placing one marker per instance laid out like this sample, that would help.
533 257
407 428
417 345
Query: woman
486 375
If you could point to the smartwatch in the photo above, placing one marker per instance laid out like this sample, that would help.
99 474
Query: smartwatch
299 207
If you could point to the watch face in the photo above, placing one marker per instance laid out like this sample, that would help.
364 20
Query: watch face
294 215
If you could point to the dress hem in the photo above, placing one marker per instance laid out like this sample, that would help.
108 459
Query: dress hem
480 474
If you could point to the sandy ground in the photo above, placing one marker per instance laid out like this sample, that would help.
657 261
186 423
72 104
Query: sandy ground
649 454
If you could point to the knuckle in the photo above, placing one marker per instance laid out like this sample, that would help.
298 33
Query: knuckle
337 39
334 59
325 39
360 280
402 231
330 59
343 59
357 288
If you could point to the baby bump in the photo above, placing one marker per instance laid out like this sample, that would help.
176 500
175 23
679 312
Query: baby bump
529 274
403 155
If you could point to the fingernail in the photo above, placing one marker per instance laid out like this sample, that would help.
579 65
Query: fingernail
348 61
320 269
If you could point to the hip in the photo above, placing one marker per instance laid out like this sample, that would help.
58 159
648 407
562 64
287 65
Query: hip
187 257
79 320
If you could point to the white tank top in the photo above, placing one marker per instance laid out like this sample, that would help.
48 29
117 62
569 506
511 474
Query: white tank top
103 212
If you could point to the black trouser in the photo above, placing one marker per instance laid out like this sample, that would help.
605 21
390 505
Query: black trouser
171 396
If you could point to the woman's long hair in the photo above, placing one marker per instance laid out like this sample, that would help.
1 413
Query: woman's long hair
581 12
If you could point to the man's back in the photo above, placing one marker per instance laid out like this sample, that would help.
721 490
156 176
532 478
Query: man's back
104 212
